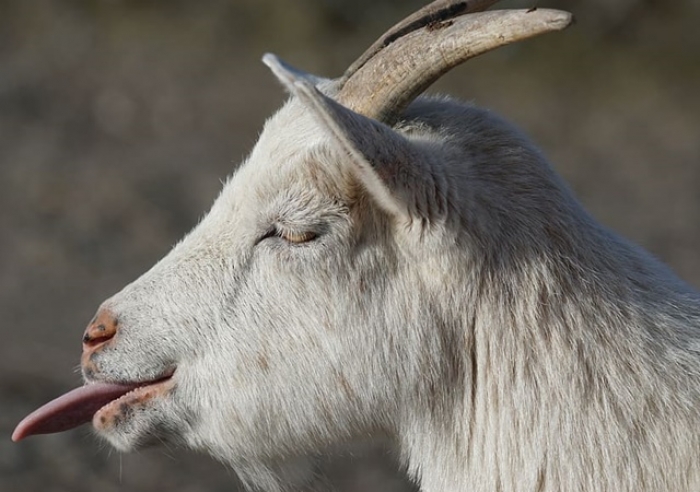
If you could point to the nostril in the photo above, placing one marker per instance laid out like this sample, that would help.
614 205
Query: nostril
102 328
91 339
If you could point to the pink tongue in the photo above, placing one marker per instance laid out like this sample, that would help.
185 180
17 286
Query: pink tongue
70 410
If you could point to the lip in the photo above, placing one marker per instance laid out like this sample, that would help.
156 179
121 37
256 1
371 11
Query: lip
135 385
117 410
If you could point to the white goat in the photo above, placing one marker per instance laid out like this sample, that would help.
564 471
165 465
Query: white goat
411 270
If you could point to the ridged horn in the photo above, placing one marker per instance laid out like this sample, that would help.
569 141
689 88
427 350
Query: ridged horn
417 51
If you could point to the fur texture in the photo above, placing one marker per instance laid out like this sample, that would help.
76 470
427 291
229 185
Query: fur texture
451 297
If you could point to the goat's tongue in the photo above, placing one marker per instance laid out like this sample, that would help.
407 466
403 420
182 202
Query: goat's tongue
70 410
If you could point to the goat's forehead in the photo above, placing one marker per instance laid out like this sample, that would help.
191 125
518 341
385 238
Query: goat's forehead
293 155
292 130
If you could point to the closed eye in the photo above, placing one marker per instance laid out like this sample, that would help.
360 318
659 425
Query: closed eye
292 237
298 237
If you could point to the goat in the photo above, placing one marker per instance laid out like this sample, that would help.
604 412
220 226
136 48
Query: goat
410 269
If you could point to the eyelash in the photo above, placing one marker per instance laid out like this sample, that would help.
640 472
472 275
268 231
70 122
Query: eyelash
290 237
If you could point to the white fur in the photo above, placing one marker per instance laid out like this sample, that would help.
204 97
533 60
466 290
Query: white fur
457 302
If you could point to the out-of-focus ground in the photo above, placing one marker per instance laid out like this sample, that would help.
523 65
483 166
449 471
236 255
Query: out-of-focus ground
118 119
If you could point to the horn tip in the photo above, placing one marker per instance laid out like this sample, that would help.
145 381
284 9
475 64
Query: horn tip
555 19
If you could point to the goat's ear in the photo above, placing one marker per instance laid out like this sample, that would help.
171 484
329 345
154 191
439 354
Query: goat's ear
386 163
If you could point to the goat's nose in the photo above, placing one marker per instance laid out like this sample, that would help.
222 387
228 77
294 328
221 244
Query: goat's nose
101 329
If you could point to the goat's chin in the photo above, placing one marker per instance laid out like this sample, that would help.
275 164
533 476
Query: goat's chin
143 417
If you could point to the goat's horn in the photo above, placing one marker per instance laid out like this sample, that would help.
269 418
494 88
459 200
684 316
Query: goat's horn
437 11
382 84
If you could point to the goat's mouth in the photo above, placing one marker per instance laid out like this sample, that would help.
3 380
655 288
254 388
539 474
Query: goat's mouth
102 403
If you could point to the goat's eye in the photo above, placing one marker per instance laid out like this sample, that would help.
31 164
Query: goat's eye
289 236
298 237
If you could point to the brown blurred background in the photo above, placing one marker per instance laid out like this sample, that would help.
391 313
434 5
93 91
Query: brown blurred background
119 118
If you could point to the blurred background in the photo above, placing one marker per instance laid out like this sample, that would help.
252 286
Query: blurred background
120 118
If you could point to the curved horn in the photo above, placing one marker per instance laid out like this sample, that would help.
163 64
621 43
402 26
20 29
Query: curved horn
388 77
433 13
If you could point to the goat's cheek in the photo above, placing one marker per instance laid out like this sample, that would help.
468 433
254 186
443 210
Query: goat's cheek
125 408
